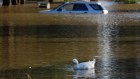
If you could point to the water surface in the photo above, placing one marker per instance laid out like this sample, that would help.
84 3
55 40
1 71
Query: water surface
36 46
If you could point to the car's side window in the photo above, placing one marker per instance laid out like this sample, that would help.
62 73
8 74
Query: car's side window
80 7
96 7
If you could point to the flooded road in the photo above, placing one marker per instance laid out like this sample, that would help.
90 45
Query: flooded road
36 46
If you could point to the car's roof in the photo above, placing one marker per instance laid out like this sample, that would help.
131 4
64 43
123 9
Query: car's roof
85 2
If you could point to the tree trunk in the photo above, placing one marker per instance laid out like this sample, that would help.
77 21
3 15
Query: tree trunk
21 1
14 2
17 1
6 2
51 1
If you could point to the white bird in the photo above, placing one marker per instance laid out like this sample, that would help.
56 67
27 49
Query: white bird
83 65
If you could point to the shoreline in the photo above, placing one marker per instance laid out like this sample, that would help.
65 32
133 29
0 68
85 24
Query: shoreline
110 7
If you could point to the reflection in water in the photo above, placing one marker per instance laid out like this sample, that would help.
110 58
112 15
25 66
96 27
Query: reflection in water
28 76
114 59
105 50
84 74
5 46
137 49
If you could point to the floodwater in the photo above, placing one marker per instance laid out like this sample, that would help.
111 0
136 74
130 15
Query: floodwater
36 46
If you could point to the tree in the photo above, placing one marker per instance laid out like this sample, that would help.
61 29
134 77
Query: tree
127 1
6 2
21 1
14 2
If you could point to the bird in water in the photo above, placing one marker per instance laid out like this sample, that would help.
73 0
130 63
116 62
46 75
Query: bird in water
84 65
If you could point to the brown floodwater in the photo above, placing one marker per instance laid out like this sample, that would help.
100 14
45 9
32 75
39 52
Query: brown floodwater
39 46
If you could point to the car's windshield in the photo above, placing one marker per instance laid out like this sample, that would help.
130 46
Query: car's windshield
68 7
57 6
96 6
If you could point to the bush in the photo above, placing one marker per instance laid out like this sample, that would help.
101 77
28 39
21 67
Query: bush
127 1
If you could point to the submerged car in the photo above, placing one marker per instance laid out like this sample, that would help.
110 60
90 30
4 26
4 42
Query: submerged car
44 5
78 7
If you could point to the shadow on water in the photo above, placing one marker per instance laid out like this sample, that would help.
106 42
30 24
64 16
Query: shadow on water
52 31
65 31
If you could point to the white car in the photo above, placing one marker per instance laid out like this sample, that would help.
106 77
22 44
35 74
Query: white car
78 7
44 5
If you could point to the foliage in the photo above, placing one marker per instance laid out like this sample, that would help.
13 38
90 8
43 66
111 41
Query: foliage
127 1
